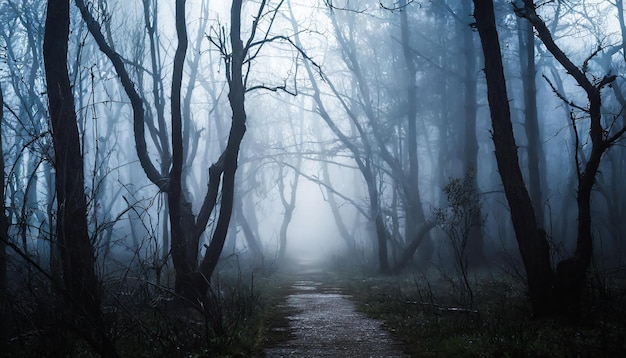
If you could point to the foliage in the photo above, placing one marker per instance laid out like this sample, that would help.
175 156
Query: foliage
457 220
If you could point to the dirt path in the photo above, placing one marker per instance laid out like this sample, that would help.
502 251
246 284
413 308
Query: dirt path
320 321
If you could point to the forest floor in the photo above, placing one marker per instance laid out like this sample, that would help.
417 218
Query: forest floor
342 313
316 318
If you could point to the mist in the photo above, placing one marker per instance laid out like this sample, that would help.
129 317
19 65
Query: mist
168 157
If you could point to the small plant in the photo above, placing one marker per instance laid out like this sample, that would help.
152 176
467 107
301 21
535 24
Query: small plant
457 220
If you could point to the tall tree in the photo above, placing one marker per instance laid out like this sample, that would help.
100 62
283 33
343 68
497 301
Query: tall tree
4 227
570 273
77 253
186 228
532 242
536 156
470 159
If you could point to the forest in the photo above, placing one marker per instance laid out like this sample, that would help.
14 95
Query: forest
200 178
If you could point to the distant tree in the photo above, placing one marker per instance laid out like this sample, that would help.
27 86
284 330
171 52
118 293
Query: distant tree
23 28
77 253
475 249
362 156
536 156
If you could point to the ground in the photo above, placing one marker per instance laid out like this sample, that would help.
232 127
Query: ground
316 318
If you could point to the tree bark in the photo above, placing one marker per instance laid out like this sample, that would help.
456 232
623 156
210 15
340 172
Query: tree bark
532 242
414 243
77 253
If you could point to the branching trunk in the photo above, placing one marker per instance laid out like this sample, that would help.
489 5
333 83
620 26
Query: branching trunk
363 158
236 98
135 99
415 241
570 273
414 211
289 205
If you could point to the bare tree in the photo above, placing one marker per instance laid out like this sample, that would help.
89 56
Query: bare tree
4 227
186 228
570 273
536 157
531 240
77 253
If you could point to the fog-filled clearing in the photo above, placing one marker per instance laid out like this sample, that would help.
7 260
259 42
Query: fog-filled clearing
448 174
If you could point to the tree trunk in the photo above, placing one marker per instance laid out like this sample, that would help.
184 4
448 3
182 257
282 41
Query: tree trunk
236 98
531 122
288 205
77 253
570 273
532 242
414 212
184 256
414 243
4 237
470 160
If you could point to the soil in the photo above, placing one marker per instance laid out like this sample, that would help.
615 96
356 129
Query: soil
316 319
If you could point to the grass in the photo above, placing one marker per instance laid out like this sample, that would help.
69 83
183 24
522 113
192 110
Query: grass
145 321
429 317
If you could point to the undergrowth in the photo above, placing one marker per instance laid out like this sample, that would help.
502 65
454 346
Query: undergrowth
426 316
147 321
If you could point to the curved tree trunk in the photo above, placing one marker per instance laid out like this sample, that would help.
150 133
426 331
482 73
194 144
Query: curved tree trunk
236 97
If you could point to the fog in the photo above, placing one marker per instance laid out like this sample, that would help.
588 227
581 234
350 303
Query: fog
351 134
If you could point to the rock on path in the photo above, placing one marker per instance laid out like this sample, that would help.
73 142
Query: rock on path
324 323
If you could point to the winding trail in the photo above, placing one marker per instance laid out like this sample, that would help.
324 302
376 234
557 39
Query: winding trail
318 320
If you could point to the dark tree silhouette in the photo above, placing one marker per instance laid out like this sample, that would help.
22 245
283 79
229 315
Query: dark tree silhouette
570 273
4 227
532 241
77 253
186 228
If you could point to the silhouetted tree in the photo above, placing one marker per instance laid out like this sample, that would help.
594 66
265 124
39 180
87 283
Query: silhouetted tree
571 273
77 253
536 157
4 227
532 241
186 228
